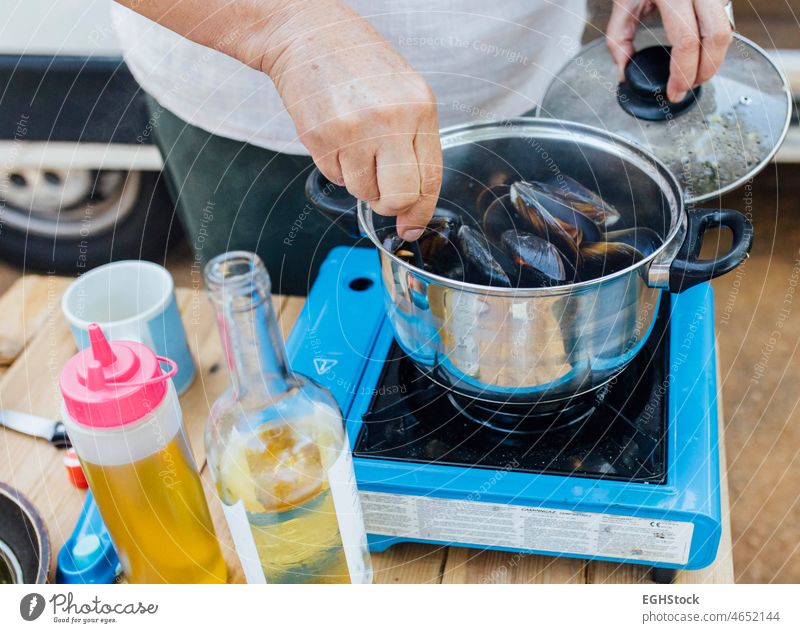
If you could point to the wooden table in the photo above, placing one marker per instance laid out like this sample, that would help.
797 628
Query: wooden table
35 343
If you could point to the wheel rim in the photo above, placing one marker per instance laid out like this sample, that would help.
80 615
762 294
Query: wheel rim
77 203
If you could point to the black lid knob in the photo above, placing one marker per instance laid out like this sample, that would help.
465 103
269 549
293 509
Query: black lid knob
643 94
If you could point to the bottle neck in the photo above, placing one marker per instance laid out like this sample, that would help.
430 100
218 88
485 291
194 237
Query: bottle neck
248 325
255 352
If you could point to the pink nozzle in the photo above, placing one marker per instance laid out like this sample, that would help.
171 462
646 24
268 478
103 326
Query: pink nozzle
95 378
112 383
101 349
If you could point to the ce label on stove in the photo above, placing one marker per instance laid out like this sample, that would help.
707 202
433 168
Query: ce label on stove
527 528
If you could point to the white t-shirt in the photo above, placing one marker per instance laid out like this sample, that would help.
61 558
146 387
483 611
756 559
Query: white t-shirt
483 59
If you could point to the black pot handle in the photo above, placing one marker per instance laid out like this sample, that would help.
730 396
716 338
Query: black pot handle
333 201
687 270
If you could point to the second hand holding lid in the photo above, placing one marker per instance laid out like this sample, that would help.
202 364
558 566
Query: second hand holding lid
721 134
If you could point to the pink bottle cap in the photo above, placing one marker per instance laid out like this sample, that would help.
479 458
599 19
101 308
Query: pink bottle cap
110 384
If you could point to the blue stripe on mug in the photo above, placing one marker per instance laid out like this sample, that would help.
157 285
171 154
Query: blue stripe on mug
169 339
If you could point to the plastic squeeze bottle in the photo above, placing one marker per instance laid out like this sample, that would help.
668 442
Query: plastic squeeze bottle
122 415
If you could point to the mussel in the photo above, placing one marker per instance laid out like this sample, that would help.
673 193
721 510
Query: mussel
539 261
583 200
408 252
577 223
644 240
480 265
499 217
489 194
599 259
541 222
436 250
440 233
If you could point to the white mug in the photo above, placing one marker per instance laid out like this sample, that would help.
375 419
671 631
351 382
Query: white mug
135 301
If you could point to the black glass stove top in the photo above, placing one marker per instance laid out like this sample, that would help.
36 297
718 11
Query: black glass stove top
618 432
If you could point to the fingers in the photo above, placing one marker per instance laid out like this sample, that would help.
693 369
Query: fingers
683 34
330 168
715 35
398 176
402 179
620 32
358 170
428 150
370 138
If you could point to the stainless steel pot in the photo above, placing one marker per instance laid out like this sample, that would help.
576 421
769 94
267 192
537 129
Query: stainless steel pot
544 344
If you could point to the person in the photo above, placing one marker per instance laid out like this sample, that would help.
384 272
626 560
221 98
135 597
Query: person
246 96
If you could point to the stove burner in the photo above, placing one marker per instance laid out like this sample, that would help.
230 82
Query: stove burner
617 432
525 419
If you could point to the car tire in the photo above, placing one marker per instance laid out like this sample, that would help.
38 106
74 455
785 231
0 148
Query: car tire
68 221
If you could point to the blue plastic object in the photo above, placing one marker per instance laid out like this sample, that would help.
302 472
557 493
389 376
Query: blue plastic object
88 556
342 338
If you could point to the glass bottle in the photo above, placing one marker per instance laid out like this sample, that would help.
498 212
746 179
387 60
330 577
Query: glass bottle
277 446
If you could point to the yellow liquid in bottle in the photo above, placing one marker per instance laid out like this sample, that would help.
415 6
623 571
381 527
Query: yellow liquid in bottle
280 475
158 519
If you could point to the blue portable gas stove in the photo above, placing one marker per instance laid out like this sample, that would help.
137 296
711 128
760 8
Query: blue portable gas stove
630 476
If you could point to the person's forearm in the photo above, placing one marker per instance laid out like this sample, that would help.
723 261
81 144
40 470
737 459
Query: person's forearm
255 32
367 119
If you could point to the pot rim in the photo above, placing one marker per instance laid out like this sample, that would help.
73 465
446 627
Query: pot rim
472 132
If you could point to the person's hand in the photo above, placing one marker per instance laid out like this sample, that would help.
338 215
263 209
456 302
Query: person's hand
368 120
698 30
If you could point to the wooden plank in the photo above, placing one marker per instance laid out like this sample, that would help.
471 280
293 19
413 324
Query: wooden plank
602 572
494 567
407 563
25 308
288 312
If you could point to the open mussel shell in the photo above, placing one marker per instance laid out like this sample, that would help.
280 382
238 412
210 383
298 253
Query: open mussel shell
480 265
440 233
500 217
599 259
582 199
581 226
488 195
644 240
539 261
539 221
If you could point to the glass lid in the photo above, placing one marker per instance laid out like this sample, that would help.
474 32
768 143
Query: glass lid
720 135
